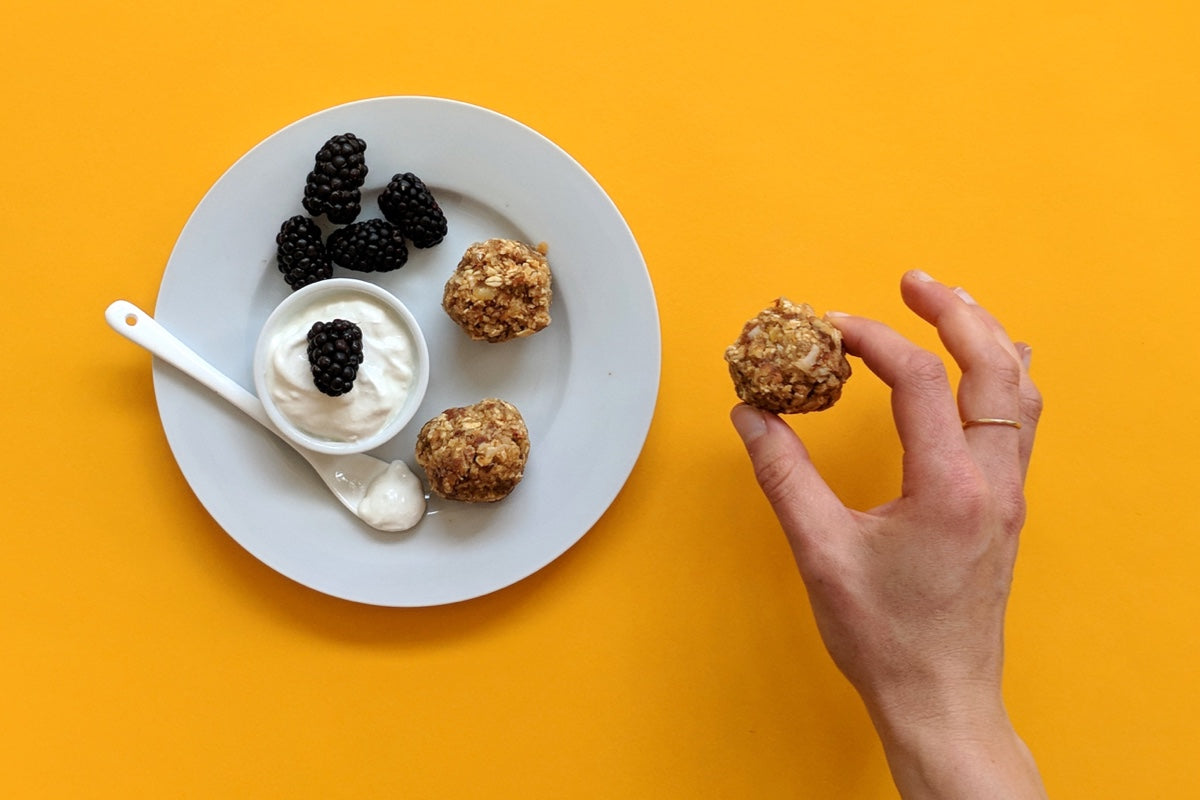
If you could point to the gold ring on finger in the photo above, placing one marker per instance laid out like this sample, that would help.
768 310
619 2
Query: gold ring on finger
1012 423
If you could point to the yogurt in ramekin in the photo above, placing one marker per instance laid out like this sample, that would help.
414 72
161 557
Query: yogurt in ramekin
391 380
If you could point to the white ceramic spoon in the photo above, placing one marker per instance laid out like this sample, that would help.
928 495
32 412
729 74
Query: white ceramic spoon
349 477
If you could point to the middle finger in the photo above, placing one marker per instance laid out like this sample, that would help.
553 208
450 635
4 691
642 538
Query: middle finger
991 370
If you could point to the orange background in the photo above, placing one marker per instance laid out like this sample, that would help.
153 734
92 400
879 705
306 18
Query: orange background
1044 155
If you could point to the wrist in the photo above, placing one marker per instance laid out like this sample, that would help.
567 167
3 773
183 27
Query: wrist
967 748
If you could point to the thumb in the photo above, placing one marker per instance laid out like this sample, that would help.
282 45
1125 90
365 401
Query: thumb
805 505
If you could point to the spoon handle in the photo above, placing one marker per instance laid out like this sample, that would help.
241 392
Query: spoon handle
142 329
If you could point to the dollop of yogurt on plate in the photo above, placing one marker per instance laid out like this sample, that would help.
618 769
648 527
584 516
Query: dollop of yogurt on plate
395 499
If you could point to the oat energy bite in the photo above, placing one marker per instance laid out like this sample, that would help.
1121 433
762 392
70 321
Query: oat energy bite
500 290
788 360
474 453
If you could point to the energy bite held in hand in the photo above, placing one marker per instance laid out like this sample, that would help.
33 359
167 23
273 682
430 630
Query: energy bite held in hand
474 453
788 360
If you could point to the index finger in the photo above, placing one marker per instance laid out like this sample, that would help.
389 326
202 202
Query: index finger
922 400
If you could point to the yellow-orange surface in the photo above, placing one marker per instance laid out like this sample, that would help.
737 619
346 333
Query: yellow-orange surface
1042 154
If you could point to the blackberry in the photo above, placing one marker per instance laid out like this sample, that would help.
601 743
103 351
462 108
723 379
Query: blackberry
374 245
301 253
407 203
335 351
333 185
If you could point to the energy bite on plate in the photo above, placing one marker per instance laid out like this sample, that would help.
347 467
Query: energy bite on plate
500 290
788 360
474 453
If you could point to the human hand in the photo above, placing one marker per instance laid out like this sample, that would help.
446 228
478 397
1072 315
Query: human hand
909 597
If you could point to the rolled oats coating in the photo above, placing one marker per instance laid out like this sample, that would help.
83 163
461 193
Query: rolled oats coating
474 453
500 290
788 360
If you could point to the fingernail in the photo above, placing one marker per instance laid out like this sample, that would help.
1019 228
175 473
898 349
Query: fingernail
1026 356
961 292
748 422
836 314
921 275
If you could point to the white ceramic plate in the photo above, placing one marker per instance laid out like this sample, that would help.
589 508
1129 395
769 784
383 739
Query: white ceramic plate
586 385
